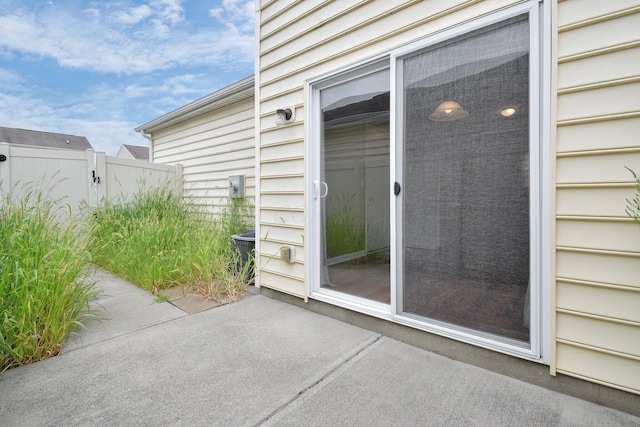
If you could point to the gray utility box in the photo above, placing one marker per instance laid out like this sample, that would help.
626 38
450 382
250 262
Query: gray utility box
236 186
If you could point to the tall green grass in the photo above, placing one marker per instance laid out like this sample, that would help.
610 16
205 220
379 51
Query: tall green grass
345 230
633 205
158 241
43 288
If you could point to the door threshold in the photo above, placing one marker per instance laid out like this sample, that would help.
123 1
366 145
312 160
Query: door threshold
350 302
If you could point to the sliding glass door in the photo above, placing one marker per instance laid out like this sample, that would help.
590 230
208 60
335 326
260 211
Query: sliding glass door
466 197
438 226
354 186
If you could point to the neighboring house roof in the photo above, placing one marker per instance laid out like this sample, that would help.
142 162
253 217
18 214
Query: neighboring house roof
43 139
137 152
238 91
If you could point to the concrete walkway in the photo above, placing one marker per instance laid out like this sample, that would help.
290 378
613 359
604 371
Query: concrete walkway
263 362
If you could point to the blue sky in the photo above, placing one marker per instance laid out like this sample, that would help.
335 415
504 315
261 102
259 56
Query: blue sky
101 68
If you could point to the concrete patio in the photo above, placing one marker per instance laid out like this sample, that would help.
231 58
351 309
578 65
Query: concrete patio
260 361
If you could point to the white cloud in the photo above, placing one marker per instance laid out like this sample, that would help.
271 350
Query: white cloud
106 114
217 13
9 77
170 10
162 63
163 13
93 13
133 15
186 84
151 38
105 133
236 13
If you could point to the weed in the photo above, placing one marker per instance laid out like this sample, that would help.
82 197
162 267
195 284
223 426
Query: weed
161 298
157 241
633 205
43 287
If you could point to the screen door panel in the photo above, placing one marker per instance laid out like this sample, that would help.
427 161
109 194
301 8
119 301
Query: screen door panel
466 196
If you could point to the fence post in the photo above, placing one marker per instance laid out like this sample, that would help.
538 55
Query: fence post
102 190
5 170
92 200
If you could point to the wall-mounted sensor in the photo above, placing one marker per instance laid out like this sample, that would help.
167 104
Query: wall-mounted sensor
236 186
288 254
285 115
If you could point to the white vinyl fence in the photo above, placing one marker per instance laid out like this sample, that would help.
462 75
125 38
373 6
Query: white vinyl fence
79 178
119 179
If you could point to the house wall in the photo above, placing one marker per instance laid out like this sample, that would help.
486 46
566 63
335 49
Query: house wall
211 147
301 40
595 316
123 153
598 246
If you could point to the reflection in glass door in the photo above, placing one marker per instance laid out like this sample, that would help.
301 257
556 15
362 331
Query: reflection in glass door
354 172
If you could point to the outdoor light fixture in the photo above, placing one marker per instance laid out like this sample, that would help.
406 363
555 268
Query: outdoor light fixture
448 111
508 111
285 115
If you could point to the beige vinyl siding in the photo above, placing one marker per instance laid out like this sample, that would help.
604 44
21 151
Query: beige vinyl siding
599 134
332 39
598 246
211 147
302 40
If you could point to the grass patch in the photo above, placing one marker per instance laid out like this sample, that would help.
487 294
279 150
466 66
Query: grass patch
43 288
345 231
161 298
158 241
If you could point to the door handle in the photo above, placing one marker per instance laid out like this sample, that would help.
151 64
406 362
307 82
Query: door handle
396 188
326 189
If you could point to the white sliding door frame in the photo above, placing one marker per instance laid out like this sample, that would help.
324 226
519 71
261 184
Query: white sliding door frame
541 185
